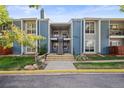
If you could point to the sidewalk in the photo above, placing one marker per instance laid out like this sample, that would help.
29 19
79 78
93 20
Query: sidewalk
102 61
60 65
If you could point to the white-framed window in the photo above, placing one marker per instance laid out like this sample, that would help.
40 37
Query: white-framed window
65 34
115 43
31 27
114 26
89 46
55 34
55 46
90 27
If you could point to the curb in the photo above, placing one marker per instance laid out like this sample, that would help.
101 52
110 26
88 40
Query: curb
62 71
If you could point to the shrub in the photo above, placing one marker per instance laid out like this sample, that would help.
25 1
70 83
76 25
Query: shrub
42 50
80 58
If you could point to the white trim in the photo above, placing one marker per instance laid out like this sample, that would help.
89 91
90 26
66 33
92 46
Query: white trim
49 37
71 37
22 50
26 52
39 33
36 34
109 32
84 37
99 36
81 38
90 34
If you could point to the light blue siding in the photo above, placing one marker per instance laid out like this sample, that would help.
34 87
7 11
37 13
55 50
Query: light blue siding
82 36
16 47
104 37
43 30
76 36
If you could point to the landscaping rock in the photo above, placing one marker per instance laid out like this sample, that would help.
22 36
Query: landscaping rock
43 60
29 67
35 66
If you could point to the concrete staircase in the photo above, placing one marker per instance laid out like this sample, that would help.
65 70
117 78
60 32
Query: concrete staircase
55 57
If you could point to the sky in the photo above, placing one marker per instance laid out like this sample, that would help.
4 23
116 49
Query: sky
63 13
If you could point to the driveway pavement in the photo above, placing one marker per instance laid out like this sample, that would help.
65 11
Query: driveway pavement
63 81
60 65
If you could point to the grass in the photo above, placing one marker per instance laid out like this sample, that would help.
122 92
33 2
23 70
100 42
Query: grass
107 65
107 57
15 62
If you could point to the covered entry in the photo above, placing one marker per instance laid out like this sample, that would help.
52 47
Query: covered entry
60 38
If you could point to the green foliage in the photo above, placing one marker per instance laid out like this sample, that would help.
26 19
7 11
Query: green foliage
42 50
34 6
122 8
105 65
4 15
18 36
79 58
15 62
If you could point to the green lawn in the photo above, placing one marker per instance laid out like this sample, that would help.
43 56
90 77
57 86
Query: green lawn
107 65
107 57
16 62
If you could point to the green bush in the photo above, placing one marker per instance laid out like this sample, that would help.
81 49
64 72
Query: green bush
79 58
42 50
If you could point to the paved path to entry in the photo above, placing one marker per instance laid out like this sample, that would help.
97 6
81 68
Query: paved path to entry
59 65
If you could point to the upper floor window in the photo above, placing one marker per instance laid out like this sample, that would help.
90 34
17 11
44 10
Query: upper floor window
90 27
55 34
65 34
31 28
114 26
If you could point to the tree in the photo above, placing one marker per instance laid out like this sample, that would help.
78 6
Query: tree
34 6
122 8
14 34
4 15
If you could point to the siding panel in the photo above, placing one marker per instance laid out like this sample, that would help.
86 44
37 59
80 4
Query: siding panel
104 37
43 30
76 36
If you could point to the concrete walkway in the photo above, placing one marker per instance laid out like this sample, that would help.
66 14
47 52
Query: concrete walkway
60 65
102 61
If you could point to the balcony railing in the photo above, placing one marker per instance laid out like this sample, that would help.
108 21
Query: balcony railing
117 33
56 36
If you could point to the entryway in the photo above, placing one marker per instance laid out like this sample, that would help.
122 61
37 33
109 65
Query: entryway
55 57
59 62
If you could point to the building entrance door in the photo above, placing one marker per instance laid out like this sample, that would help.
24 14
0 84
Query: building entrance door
60 46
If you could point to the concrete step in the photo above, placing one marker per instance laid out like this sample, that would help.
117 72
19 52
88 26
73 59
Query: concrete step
65 57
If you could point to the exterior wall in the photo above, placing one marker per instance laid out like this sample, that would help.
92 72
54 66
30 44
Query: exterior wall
82 36
104 36
97 37
76 36
43 30
16 47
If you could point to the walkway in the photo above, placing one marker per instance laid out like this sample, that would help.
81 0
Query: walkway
103 61
60 65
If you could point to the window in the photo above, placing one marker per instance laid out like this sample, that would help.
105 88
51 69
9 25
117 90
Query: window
90 27
114 26
55 34
115 43
31 27
55 46
89 46
65 34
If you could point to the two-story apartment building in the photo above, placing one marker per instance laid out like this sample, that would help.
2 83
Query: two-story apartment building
83 35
